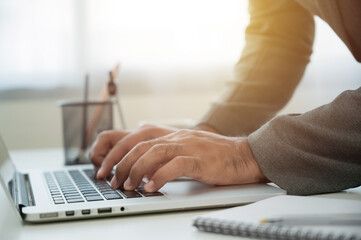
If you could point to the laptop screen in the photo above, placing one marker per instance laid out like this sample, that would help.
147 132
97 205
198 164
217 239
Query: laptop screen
7 168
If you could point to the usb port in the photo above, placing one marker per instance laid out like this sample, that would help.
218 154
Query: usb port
104 210
69 213
85 211
48 215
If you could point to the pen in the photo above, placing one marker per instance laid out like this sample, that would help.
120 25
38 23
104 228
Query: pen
97 113
112 89
335 219
85 116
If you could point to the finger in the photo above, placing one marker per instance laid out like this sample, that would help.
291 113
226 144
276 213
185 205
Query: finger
177 167
158 154
99 150
123 168
119 150
104 142
150 174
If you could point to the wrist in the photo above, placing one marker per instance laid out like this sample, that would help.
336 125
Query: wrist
253 170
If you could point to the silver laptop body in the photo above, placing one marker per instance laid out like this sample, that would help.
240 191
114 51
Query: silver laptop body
47 196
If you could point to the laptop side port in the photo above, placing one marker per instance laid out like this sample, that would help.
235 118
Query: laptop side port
69 213
48 215
85 211
105 210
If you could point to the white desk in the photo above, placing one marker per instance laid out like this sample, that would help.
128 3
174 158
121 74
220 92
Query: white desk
176 225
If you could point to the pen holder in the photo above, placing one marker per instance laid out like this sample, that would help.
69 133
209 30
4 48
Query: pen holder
82 122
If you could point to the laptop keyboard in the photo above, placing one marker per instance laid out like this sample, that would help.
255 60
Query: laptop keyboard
75 186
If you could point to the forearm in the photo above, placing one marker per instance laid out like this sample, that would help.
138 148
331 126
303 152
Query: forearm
278 45
316 152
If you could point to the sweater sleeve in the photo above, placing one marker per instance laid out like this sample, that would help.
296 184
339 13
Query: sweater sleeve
279 42
316 152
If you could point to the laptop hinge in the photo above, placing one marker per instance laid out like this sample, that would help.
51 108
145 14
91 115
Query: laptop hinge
22 191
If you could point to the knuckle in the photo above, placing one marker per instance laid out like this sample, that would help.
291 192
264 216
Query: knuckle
146 126
158 148
104 134
169 150
187 133
141 145
184 131
189 138
172 150
123 144
94 159
119 143
182 161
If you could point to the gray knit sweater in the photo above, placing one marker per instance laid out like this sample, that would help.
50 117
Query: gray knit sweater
315 152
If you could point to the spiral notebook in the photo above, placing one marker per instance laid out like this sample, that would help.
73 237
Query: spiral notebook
245 220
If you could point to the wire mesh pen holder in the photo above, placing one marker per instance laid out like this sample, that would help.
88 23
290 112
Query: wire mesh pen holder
82 122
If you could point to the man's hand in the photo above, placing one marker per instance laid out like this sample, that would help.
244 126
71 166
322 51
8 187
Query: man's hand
207 157
111 146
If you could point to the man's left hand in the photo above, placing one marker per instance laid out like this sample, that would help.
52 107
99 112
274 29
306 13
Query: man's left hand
207 157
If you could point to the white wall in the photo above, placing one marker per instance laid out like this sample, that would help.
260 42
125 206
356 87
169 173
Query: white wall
36 123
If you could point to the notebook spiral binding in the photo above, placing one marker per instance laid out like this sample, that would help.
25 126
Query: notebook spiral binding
268 231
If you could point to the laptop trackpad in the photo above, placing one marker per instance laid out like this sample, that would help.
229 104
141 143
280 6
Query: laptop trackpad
189 188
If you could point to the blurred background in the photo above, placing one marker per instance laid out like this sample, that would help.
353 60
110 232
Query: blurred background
175 57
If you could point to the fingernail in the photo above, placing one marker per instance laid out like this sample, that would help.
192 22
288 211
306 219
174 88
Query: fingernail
114 182
128 184
149 186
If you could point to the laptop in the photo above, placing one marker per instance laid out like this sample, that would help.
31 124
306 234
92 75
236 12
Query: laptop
72 192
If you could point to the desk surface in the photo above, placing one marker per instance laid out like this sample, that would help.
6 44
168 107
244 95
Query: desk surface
175 225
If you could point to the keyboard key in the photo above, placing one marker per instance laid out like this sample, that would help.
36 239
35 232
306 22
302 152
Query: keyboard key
88 191
112 196
74 197
68 189
91 195
149 194
70 192
94 198
74 200
57 197
131 194
152 194
88 186
109 192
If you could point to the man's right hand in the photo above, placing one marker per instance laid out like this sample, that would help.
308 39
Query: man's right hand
111 146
